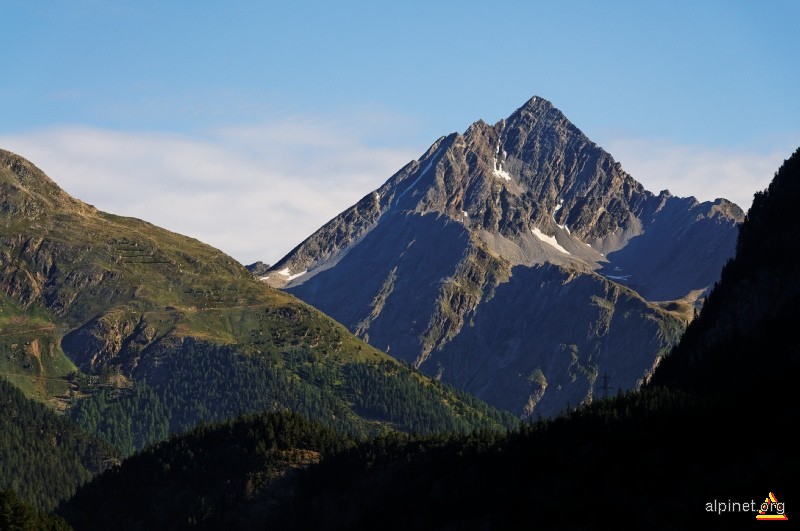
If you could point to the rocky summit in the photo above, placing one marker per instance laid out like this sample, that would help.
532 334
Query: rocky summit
517 261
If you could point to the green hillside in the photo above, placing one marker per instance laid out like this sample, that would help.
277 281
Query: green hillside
107 316
30 353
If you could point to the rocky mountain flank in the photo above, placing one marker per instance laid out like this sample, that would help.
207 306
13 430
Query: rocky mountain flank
519 262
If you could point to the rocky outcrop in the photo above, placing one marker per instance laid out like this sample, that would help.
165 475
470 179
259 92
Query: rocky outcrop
259 268
116 333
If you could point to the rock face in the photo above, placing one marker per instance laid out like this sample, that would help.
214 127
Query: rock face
258 268
517 261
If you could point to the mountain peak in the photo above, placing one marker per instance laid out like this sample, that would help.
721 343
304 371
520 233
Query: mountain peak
533 171
21 173
27 191
536 102
538 108
527 230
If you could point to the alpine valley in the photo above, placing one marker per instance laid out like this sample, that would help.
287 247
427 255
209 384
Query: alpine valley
519 262
667 456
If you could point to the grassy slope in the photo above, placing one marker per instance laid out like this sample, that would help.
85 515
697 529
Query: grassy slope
31 355
124 299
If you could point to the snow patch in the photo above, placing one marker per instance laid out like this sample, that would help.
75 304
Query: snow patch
549 240
499 172
502 174
288 274
465 213
300 274
558 207
564 227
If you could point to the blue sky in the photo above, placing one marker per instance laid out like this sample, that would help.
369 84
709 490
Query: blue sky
250 124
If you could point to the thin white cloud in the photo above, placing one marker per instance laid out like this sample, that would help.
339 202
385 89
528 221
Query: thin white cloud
254 192
703 172
257 191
